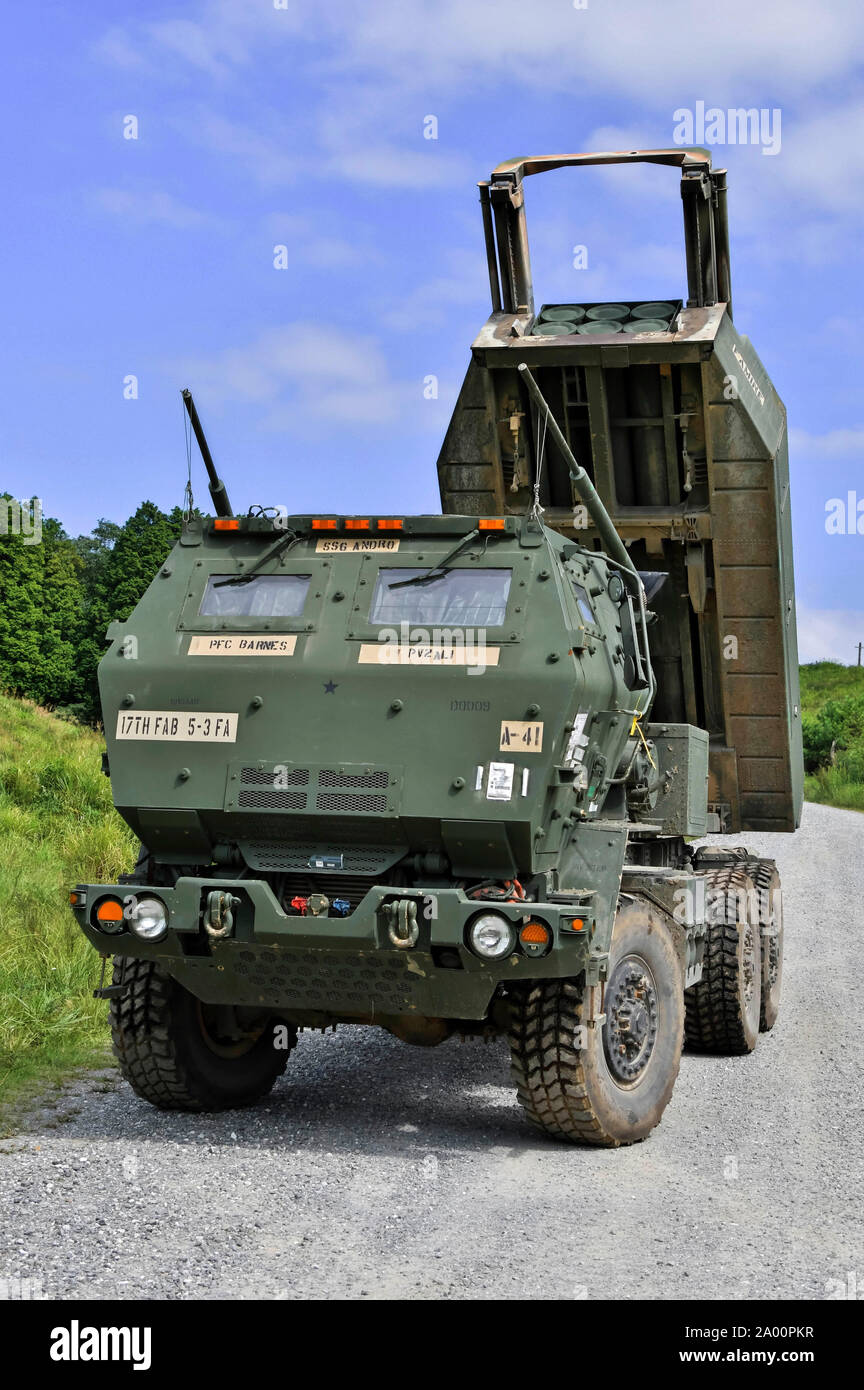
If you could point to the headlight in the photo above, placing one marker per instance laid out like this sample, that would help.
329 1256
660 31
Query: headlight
491 936
148 919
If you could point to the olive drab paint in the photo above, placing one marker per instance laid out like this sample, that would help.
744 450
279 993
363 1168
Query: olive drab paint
418 771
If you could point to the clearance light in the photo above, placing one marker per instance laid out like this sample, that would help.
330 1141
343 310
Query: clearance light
491 523
534 934
354 523
389 523
577 924
110 911
327 523
226 523
109 915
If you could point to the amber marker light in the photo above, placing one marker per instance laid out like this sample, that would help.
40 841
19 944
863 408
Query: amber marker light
491 523
535 934
325 523
226 523
576 924
110 911
109 915
390 523
357 523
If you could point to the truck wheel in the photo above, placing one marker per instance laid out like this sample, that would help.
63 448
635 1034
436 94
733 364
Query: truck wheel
723 1009
607 1084
181 1054
766 880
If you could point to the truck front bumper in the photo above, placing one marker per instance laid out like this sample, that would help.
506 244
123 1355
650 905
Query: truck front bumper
345 967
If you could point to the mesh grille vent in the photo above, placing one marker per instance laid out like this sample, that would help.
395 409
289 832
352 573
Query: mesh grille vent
368 860
267 789
281 788
350 801
263 777
272 798
330 777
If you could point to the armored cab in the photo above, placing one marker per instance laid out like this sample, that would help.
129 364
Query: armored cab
673 416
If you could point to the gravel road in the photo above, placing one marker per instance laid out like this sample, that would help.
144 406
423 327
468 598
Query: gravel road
377 1170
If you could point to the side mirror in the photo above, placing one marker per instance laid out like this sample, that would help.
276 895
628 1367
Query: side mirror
653 580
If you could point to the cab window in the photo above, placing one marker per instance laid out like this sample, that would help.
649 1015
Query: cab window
458 598
262 596
583 601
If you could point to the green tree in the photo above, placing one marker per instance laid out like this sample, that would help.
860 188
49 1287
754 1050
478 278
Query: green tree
95 549
21 614
58 596
41 611
118 575
59 676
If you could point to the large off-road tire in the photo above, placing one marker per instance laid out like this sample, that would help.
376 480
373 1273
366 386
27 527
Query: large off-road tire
607 1084
183 1055
766 881
723 1009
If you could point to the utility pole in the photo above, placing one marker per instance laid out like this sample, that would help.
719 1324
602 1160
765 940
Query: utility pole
860 645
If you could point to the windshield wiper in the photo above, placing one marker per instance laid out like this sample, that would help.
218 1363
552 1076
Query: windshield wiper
285 543
437 571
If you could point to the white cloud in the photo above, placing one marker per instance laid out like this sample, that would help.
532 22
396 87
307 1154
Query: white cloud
309 370
818 172
829 634
268 155
373 63
784 46
431 303
224 35
835 444
315 380
341 139
731 59
349 131
209 49
308 244
152 206
387 166
121 48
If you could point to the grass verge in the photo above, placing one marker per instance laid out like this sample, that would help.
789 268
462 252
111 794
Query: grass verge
832 706
57 827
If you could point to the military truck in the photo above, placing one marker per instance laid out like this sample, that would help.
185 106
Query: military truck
449 775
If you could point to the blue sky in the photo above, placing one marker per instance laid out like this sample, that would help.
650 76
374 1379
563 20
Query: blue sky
303 125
